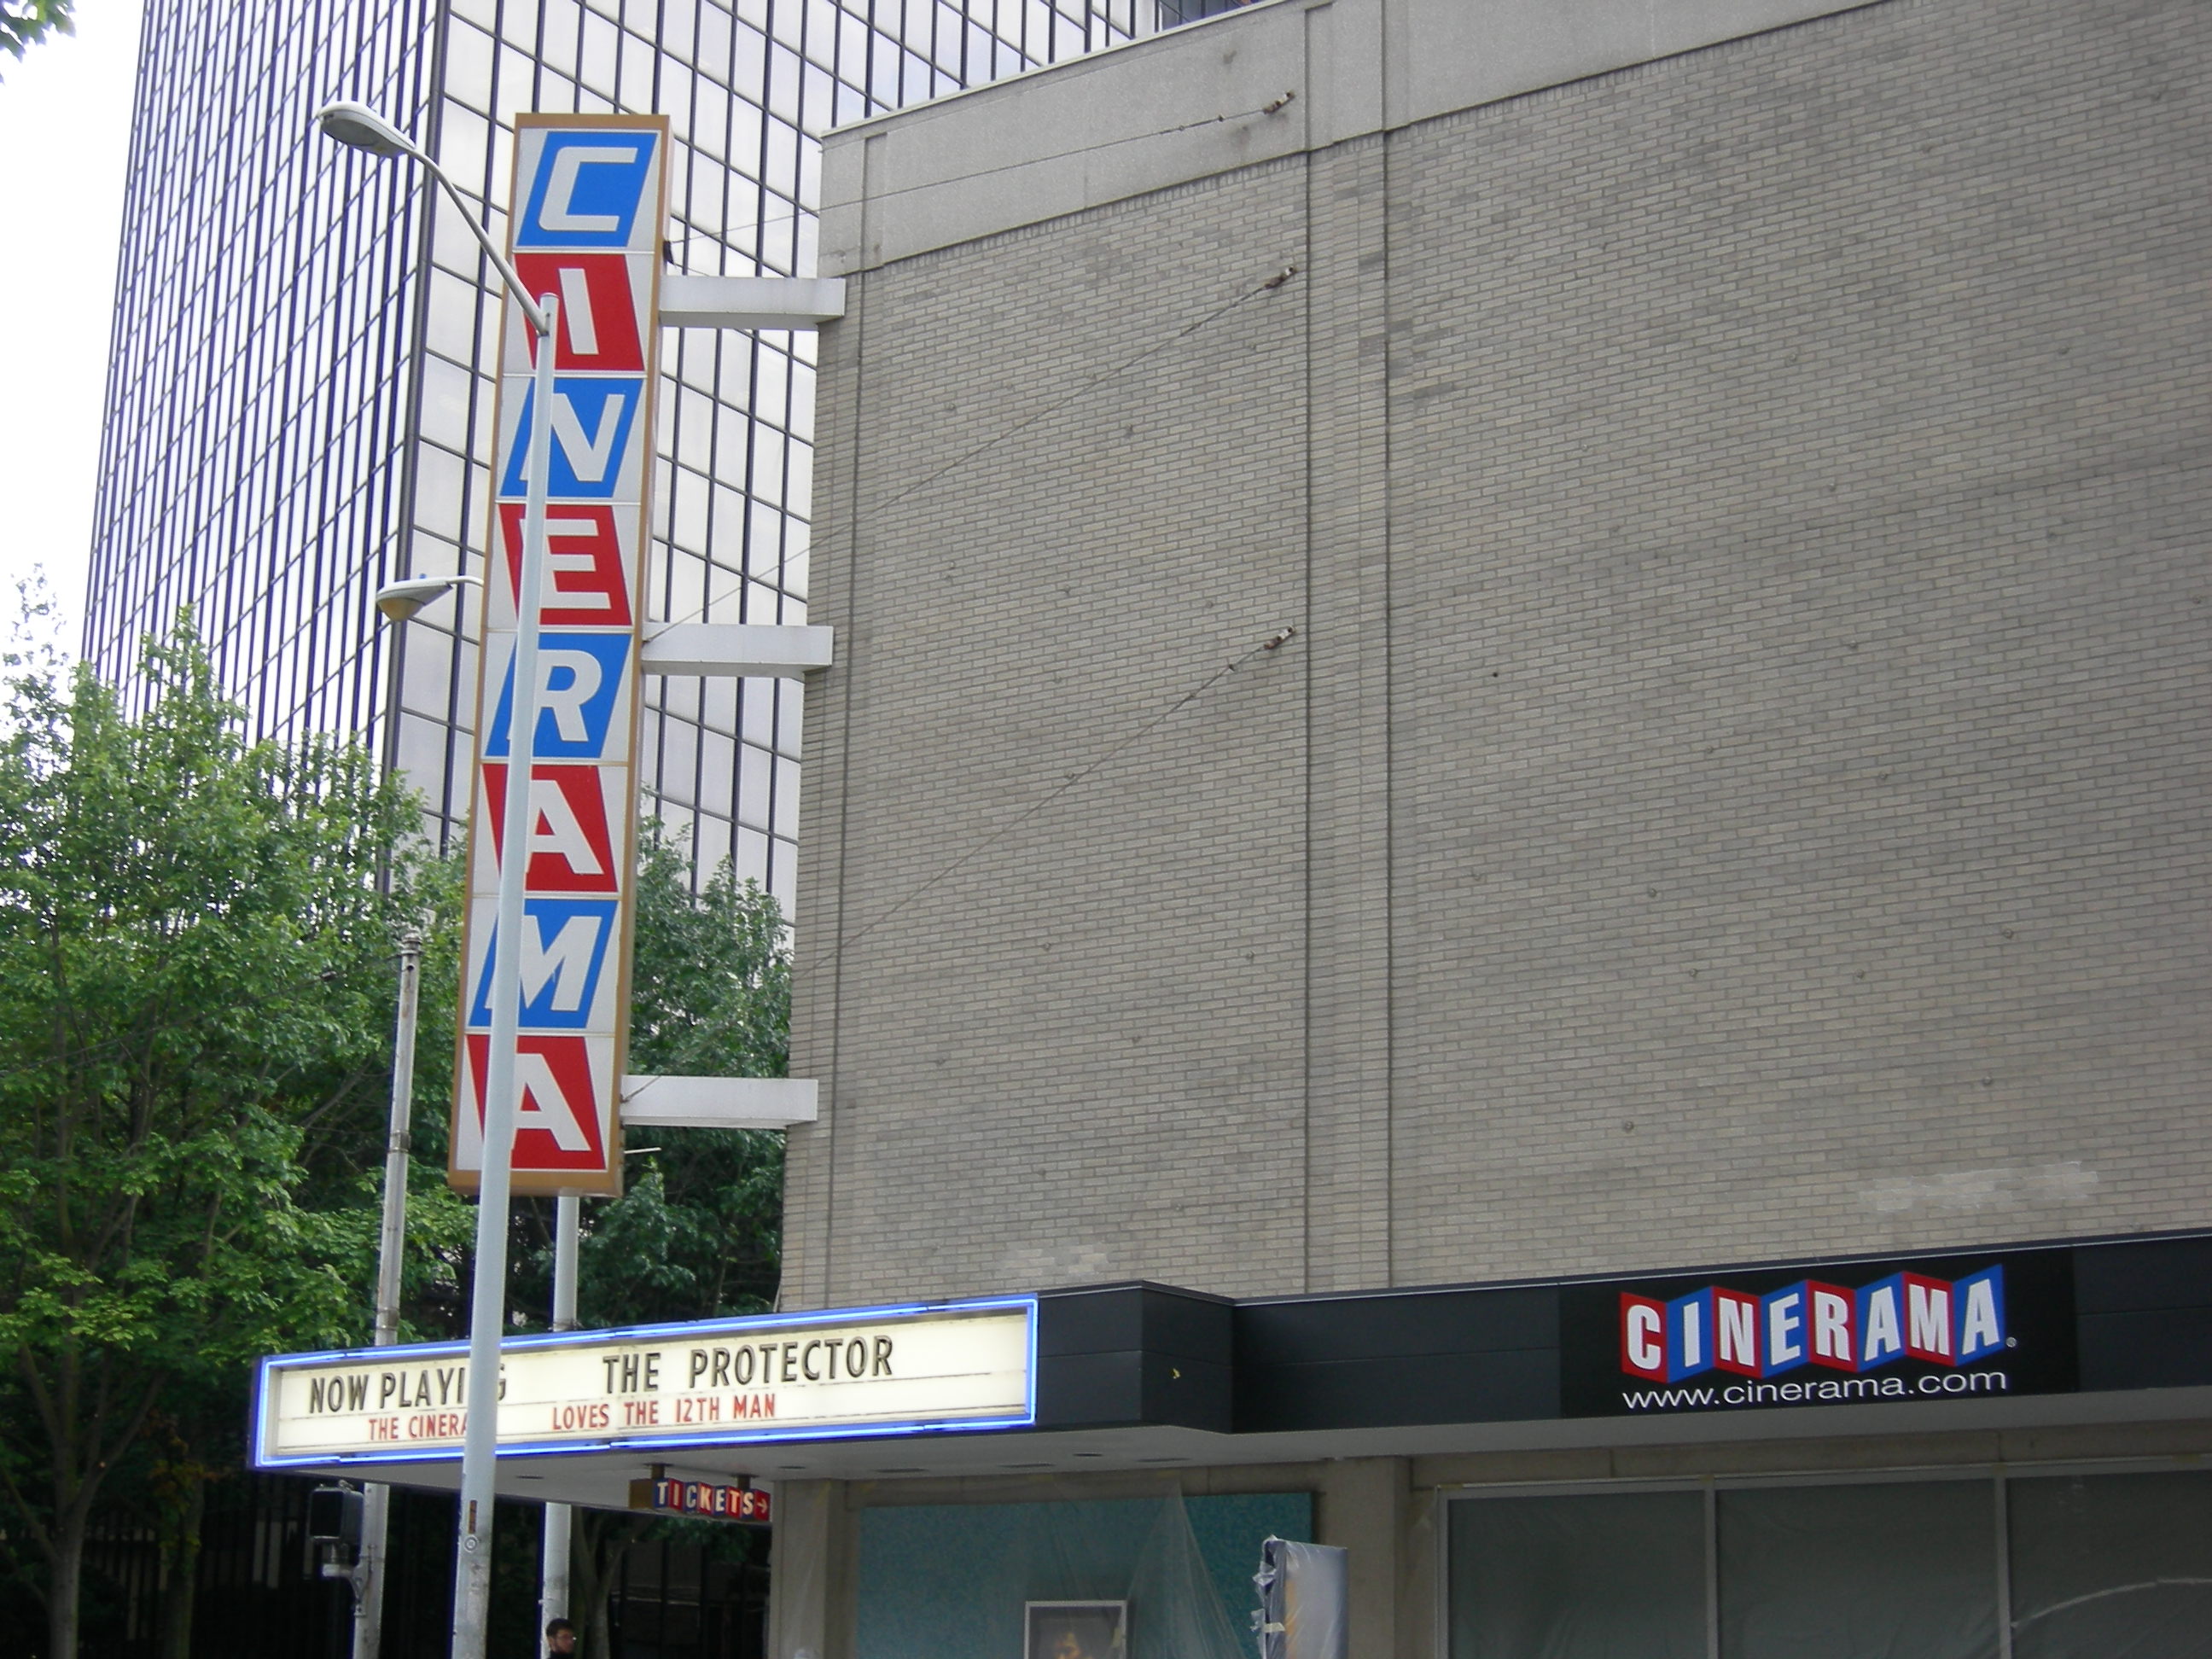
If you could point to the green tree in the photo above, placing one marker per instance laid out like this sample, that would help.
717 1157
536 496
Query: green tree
697 1233
195 973
25 22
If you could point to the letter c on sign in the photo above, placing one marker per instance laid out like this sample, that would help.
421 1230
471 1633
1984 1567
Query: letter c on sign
559 213
1642 1328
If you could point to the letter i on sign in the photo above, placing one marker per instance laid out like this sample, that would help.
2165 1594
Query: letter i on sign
1690 1335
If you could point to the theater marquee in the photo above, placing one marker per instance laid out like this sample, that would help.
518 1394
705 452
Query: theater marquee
962 1366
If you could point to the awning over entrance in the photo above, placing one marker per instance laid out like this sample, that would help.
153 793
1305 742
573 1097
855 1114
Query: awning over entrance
1145 1376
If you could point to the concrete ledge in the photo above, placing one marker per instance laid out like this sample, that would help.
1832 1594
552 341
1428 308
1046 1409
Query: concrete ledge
784 302
740 650
1209 98
719 1102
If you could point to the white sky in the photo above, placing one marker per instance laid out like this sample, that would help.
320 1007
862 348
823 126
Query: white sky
65 133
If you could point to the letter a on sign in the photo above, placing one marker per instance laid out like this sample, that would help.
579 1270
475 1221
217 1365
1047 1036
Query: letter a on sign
590 196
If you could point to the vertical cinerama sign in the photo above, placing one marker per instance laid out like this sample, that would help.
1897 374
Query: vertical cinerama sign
585 228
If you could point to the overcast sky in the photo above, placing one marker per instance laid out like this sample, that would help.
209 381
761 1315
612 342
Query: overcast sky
64 131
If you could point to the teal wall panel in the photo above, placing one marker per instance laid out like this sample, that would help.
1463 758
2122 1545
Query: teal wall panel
948 1581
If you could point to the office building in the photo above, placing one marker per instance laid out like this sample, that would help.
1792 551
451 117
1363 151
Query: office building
1725 833
299 399
1505 862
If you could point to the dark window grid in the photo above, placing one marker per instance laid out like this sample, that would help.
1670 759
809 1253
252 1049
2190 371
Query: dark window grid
787 22
560 31
395 550
754 806
782 868
784 80
596 45
637 78
519 27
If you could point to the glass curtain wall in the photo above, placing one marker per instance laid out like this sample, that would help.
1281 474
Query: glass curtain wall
256 433
300 406
2024 1566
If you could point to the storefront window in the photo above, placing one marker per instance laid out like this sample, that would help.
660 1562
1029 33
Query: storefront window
2112 1565
2088 1566
1905 1570
1588 1577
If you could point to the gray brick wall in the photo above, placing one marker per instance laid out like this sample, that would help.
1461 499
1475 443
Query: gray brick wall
1737 789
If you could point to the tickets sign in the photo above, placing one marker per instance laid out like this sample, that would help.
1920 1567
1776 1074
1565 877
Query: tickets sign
587 232
961 1365
707 1499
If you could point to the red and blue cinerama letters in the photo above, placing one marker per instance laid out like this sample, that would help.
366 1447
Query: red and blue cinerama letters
589 233
1905 1317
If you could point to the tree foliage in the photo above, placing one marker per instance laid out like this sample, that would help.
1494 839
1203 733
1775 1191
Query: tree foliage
195 971
196 978
23 23
696 1234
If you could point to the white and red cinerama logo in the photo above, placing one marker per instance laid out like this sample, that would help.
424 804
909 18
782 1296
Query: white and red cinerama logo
1905 1317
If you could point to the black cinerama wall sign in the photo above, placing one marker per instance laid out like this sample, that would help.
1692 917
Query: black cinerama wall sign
1990 1325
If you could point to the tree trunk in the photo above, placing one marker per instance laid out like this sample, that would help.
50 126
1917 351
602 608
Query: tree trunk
69 1528
594 1547
180 1561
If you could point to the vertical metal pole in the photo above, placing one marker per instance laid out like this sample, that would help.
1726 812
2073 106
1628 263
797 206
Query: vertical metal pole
553 1595
376 1498
1712 1571
2002 1495
488 1298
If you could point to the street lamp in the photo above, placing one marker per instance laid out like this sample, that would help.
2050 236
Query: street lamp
400 600
361 128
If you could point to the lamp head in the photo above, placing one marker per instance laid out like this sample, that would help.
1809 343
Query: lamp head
401 599
359 127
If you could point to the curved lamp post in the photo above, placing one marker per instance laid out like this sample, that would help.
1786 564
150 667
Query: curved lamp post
361 128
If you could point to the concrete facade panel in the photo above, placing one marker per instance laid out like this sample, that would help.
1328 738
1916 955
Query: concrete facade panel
1736 787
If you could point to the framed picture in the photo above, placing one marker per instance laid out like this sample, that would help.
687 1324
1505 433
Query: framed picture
1077 1629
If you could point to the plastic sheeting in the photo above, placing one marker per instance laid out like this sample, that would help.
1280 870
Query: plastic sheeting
1143 1552
1304 1595
2111 1566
